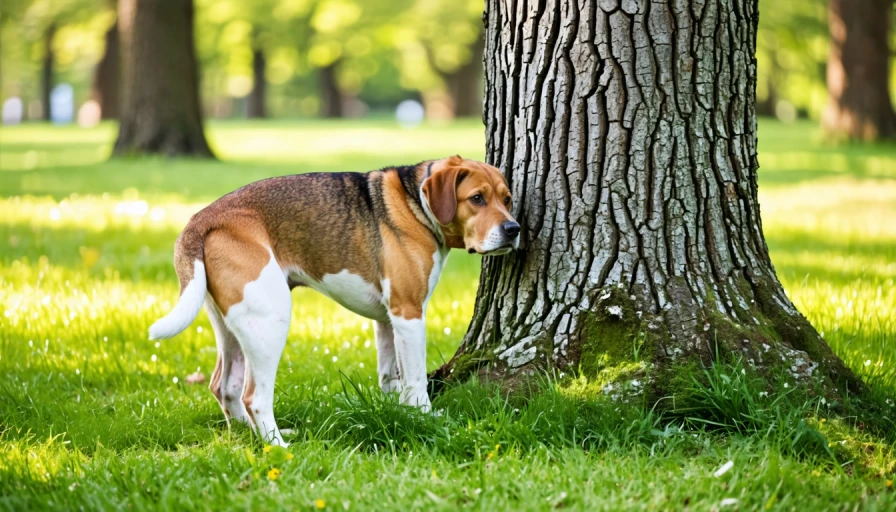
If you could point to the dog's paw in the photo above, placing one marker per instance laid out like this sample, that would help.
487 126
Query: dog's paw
416 397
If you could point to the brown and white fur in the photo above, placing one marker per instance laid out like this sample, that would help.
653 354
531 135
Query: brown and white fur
374 242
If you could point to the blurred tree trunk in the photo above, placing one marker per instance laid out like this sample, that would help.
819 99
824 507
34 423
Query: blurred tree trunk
160 109
859 103
627 133
465 83
767 106
257 97
330 94
46 74
106 77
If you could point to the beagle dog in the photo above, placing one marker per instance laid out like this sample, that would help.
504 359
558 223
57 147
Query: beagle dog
374 242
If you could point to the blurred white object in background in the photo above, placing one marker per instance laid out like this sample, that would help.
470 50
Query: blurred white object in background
62 104
89 114
785 111
13 110
409 113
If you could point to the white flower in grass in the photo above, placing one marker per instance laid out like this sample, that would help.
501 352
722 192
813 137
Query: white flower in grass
726 467
728 502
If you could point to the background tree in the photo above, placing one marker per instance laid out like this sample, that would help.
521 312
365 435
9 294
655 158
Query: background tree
40 39
107 76
256 108
442 55
384 52
46 72
859 103
791 54
160 110
627 132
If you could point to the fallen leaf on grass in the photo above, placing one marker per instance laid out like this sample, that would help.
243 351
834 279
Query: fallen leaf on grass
195 378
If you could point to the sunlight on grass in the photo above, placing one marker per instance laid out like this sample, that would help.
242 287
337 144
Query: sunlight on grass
87 399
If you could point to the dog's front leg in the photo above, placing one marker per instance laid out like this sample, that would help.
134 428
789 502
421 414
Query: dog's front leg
410 348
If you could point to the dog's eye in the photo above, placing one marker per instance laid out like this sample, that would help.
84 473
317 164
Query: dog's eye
477 199
507 201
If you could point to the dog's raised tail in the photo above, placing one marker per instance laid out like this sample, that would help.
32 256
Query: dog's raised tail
189 262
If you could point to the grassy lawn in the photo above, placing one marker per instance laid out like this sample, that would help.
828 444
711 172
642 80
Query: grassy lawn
93 415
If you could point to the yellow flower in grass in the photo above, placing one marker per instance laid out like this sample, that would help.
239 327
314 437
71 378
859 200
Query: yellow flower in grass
268 448
319 504
492 454
889 484
289 456
273 474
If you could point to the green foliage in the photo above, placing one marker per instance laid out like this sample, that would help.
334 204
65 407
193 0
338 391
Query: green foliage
77 43
791 54
91 415
387 50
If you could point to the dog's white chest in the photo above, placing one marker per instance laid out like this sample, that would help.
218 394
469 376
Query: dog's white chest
352 292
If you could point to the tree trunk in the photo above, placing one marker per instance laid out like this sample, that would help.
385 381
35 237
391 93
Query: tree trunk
330 94
465 83
46 74
256 107
106 77
859 104
627 133
160 109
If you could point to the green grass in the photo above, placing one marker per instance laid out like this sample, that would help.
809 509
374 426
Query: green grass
93 415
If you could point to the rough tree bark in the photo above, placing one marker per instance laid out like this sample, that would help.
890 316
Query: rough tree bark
257 97
627 133
46 72
160 109
859 103
106 78
330 94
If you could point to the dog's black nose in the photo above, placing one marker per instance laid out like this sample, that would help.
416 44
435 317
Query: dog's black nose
511 229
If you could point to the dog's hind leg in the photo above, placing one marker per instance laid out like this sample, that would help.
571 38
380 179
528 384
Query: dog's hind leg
261 322
230 370
386 363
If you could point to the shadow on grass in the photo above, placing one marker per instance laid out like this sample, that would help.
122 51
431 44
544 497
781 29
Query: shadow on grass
198 180
870 252
136 254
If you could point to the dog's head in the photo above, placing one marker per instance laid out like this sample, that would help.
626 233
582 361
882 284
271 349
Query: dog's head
471 202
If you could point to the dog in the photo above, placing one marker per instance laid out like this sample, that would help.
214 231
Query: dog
374 242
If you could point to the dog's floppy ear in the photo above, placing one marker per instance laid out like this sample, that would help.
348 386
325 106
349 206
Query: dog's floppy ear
441 193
